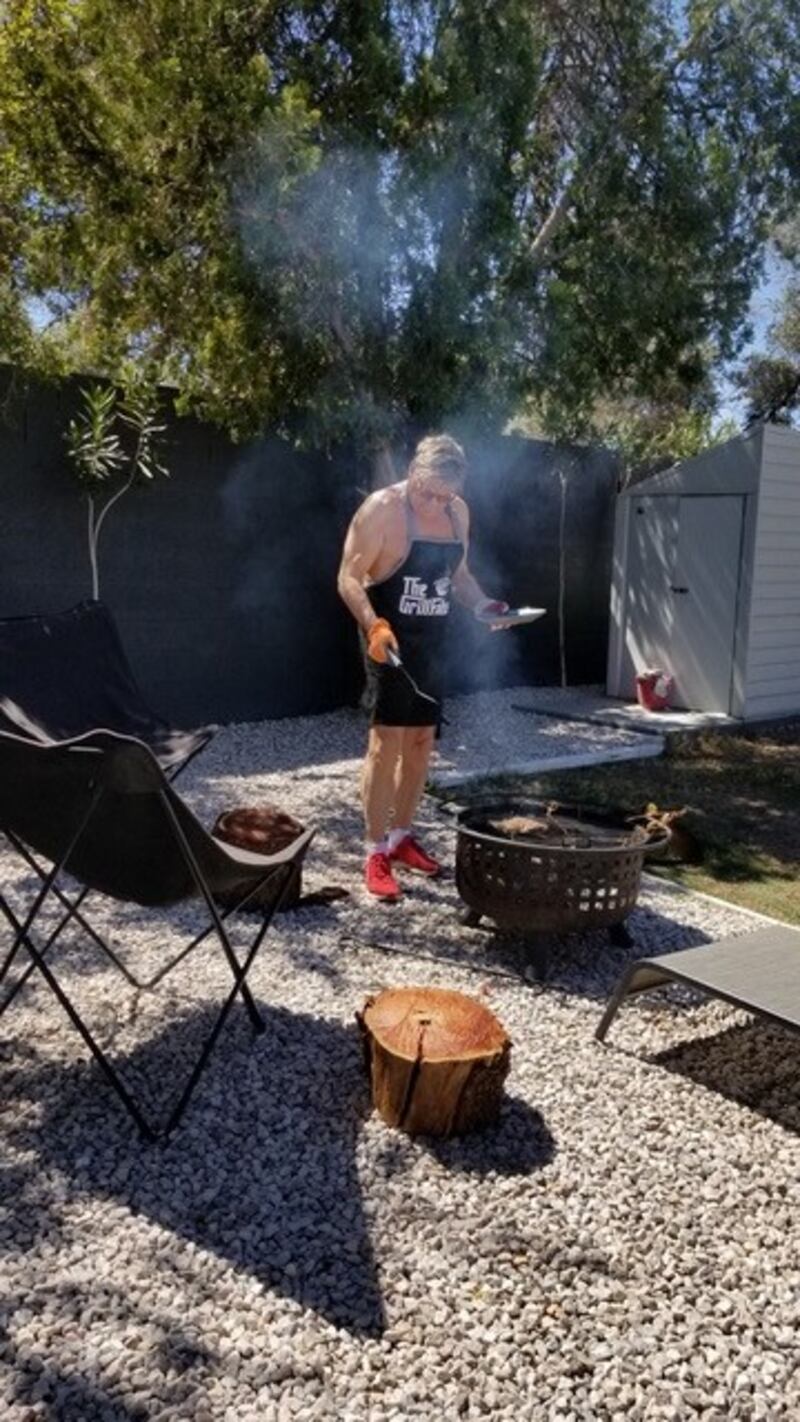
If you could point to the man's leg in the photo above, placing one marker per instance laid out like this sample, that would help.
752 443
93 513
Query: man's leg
412 771
378 777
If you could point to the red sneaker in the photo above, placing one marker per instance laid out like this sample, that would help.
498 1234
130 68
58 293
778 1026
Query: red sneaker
412 856
379 878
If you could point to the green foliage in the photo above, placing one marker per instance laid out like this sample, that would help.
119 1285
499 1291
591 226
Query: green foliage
342 218
771 385
115 437
770 379
92 440
652 435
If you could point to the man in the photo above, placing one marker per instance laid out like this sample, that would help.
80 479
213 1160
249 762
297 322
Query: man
405 550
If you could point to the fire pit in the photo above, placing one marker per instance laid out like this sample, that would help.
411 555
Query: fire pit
537 868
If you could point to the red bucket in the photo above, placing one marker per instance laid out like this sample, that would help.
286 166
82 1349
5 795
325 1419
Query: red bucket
654 689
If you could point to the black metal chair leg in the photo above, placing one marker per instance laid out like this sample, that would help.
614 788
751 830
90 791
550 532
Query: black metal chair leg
24 976
22 932
194 868
72 906
209 1044
24 927
94 1047
141 984
621 991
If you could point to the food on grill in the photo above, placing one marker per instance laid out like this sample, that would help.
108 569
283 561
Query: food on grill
530 826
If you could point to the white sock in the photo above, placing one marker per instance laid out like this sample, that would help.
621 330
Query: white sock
378 846
396 836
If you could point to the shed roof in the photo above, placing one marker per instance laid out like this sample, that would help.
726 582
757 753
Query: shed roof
729 468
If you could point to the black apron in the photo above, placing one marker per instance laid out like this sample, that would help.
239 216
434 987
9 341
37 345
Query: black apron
415 600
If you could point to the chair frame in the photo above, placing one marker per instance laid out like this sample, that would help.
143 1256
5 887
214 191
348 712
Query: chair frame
280 865
757 971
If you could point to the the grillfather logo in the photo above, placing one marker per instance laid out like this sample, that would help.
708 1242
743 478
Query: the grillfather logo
415 600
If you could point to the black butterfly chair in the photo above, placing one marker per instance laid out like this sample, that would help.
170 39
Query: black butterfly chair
100 808
63 675
66 674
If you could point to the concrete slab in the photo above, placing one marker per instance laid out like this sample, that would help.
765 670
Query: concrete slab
590 703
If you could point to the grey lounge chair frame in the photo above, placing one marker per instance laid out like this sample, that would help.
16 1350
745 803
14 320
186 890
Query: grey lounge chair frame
100 808
759 971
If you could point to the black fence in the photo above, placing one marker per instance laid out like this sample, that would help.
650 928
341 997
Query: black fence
222 578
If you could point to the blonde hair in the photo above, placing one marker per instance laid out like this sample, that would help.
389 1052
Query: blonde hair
440 457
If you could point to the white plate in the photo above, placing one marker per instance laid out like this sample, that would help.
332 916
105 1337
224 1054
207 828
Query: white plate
515 616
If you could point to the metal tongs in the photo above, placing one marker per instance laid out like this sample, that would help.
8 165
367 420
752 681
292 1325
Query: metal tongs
395 660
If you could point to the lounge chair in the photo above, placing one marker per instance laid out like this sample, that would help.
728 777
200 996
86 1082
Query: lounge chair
100 808
759 971
65 674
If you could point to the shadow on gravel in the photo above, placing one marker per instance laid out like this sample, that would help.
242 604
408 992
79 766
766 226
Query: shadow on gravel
262 1170
518 1144
754 1064
585 965
52 1395
175 1367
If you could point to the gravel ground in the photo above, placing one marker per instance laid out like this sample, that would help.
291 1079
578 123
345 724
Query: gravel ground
619 1245
486 734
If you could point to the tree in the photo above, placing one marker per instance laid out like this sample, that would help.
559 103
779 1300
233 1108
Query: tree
771 385
644 434
770 380
114 439
356 218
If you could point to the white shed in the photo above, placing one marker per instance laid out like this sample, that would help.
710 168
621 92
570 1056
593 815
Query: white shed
706 578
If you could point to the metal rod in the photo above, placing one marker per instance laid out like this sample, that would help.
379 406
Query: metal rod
395 661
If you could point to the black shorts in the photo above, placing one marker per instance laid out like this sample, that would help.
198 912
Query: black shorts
391 700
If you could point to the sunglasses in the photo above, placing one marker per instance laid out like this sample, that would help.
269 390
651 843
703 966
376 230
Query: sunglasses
432 496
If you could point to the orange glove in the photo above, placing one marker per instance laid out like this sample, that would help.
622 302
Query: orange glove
379 637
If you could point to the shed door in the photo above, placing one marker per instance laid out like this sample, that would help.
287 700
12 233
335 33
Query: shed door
651 558
705 584
683 577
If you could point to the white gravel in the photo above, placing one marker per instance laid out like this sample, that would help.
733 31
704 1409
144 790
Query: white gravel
487 735
620 1246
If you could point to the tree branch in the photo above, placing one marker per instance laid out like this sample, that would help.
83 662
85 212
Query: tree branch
560 211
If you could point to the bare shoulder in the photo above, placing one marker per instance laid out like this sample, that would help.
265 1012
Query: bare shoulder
381 509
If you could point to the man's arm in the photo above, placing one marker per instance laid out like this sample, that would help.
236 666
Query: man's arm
362 548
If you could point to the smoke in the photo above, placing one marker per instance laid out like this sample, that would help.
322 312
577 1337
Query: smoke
357 253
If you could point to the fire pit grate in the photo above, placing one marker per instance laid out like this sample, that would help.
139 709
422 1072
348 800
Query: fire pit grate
573 869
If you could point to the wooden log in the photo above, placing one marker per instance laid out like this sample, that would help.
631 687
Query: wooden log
436 1059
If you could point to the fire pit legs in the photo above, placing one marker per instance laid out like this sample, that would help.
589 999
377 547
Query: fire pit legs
619 935
540 958
537 944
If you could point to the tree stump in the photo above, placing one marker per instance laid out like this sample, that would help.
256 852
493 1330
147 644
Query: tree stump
436 1059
